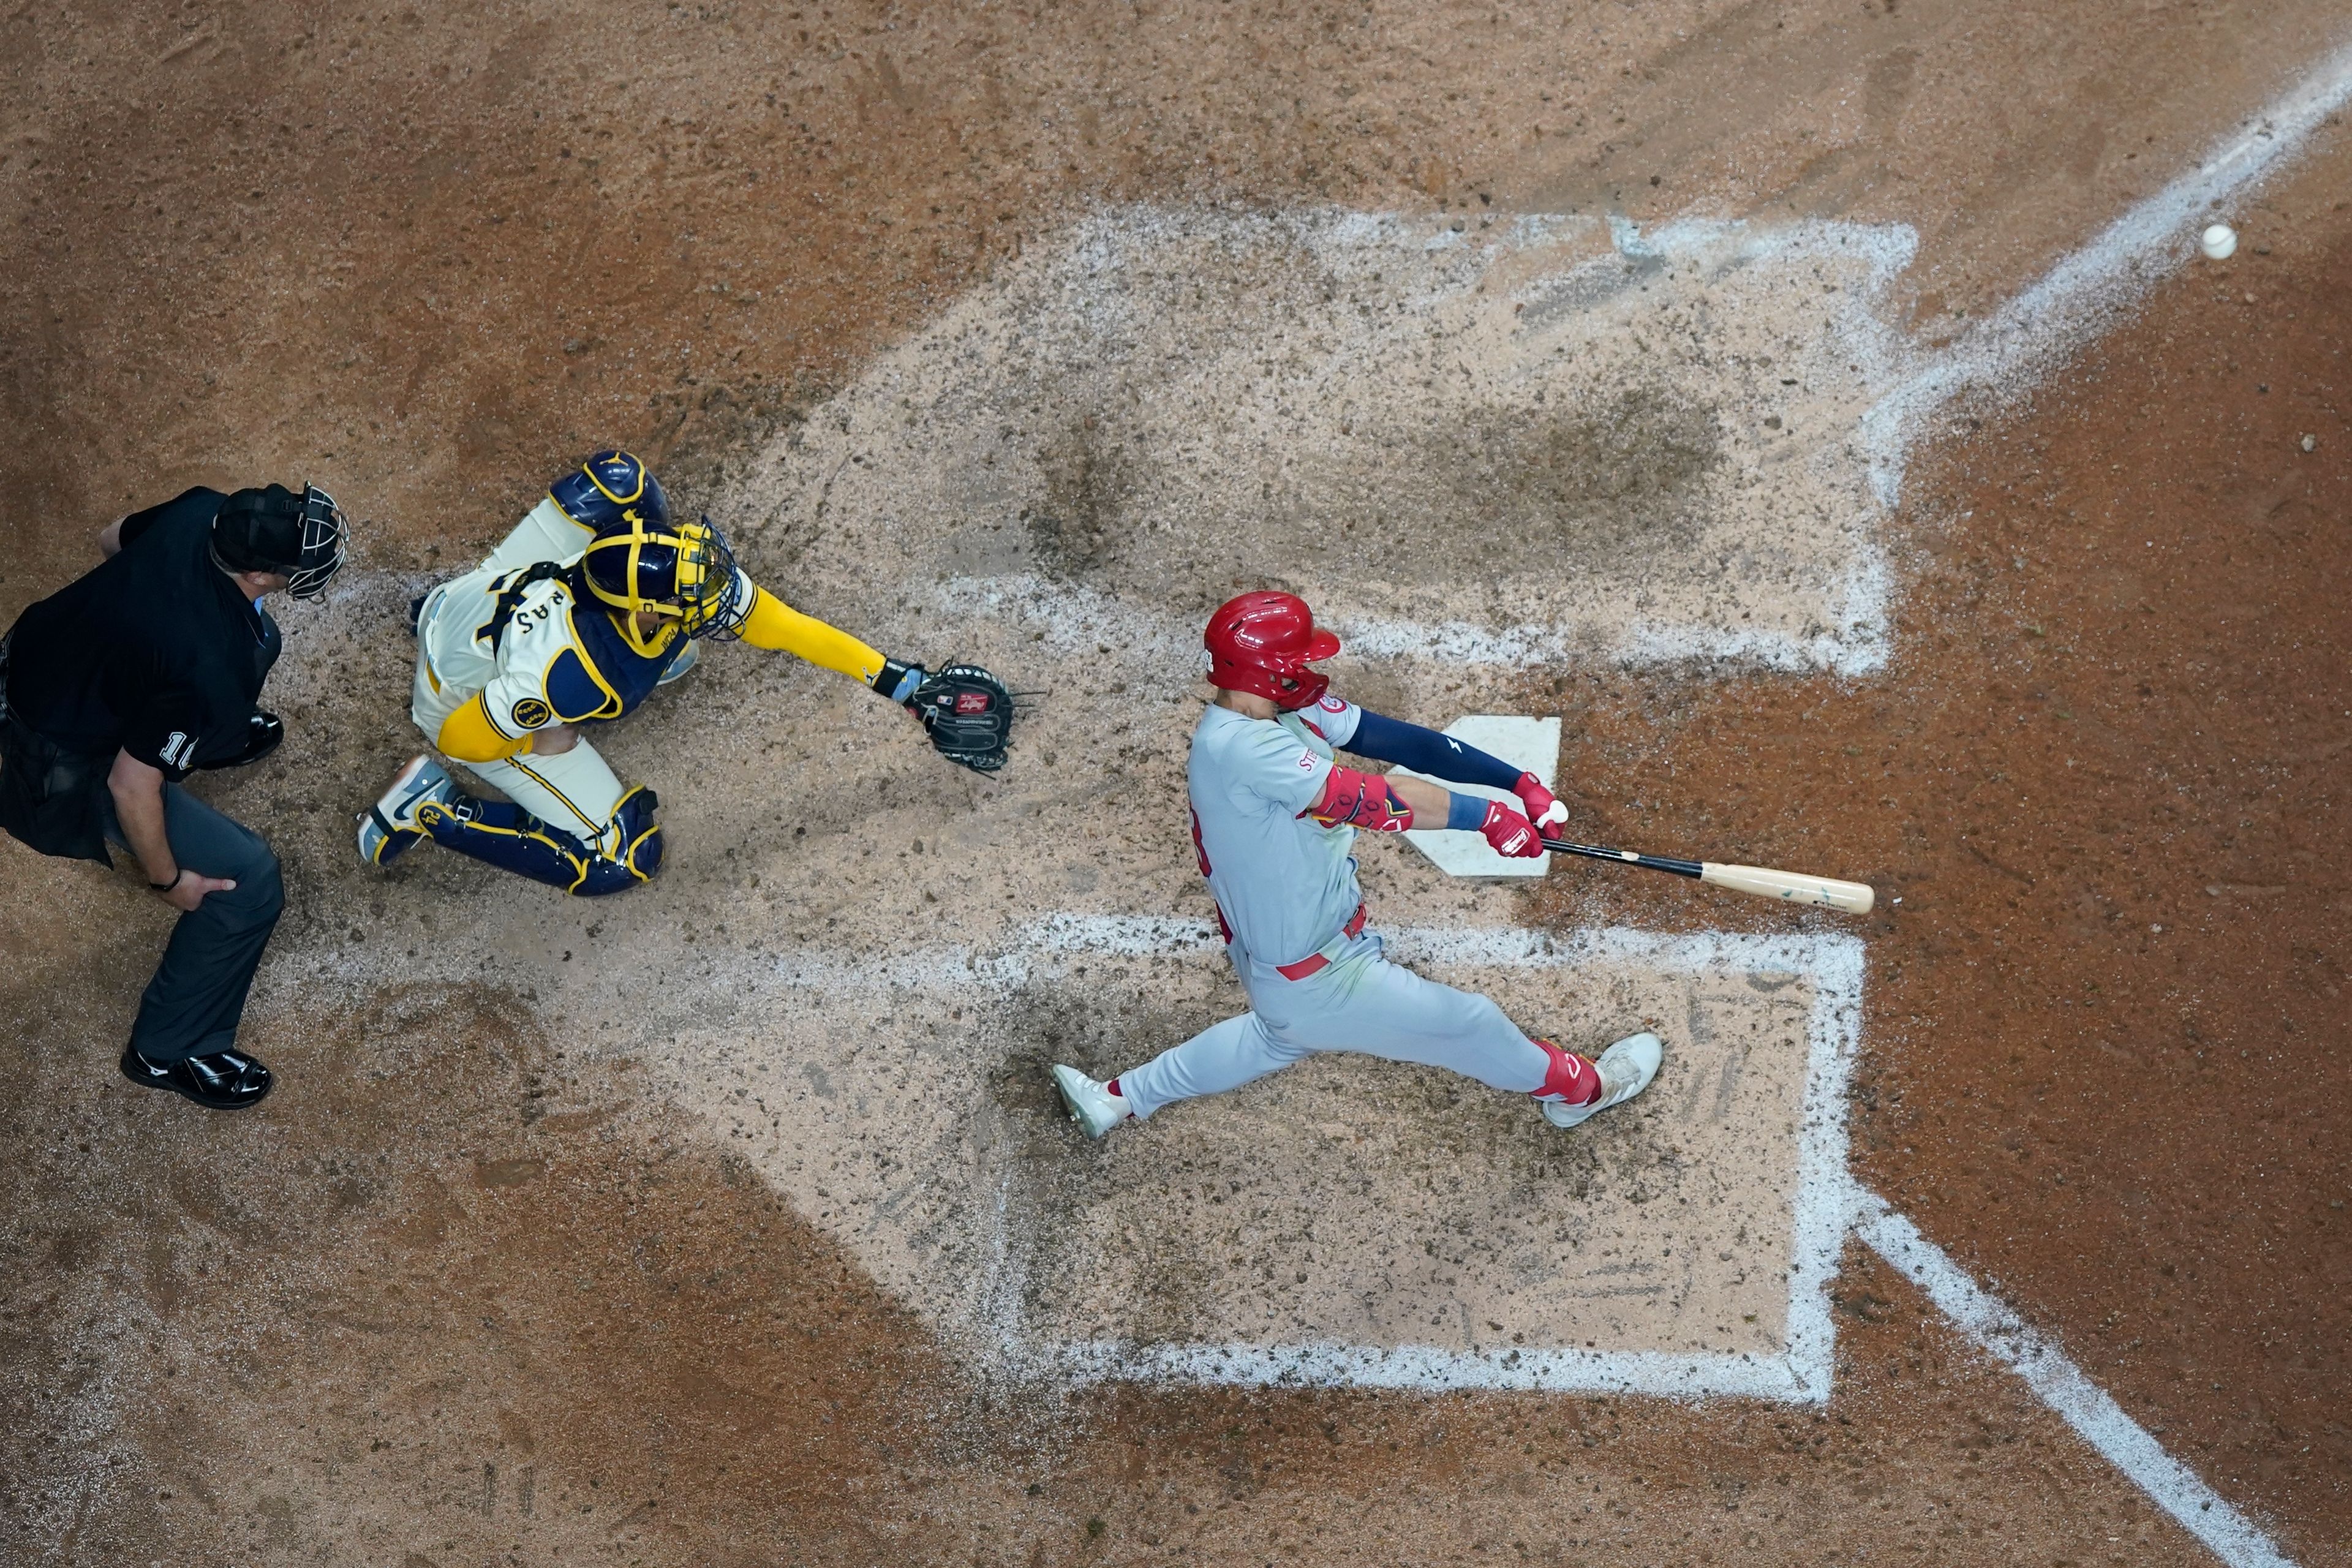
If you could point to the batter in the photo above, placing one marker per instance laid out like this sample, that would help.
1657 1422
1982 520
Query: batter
1274 818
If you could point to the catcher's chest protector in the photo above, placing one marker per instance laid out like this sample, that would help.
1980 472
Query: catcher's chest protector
537 654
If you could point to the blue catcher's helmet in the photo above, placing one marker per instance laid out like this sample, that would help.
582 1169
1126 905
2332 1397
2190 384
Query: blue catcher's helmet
606 485
683 574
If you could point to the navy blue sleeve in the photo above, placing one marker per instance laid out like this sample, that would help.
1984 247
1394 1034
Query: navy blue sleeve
1427 752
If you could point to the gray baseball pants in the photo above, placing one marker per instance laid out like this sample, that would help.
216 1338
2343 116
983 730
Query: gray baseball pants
1361 1002
194 1005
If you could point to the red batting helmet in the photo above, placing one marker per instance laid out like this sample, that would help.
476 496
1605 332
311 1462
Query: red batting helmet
1263 642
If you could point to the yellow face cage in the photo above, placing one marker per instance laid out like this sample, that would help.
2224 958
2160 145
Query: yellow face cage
684 577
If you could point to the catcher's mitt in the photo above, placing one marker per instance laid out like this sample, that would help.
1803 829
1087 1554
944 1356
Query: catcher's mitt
969 714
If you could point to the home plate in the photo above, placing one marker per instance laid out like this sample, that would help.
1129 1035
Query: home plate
1344 1221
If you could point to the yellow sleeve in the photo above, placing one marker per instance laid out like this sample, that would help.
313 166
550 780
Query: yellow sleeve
468 736
773 624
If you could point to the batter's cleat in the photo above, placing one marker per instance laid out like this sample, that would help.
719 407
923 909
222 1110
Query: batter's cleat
1091 1105
222 1080
1626 1070
688 658
390 827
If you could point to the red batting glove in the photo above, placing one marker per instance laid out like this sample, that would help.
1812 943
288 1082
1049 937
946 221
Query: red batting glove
1510 833
1543 807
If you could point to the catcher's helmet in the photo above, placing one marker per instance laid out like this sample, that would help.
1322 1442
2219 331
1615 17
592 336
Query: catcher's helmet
605 486
1263 642
299 537
684 573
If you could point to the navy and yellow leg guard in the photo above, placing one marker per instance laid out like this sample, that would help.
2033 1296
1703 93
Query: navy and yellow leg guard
628 852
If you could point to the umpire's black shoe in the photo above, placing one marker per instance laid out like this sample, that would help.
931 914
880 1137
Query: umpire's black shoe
224 1080
263 732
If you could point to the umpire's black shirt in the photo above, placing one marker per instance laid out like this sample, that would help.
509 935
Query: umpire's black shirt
157 652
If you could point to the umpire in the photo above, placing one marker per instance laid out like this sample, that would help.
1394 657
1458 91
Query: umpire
120 684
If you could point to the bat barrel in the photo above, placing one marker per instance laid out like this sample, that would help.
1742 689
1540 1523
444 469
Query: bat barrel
1791 887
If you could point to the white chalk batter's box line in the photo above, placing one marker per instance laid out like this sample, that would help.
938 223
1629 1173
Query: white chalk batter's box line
1830 1205
1830 963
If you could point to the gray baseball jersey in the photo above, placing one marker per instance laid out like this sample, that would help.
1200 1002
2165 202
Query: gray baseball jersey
1287 888
1284 883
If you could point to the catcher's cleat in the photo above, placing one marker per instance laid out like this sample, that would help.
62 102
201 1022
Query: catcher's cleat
1626 1070
221 1080
390 827
1091 1105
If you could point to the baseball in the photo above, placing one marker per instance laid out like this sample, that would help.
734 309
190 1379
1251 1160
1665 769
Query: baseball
2218 242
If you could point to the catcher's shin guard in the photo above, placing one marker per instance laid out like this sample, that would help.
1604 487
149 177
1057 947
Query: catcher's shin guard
627 852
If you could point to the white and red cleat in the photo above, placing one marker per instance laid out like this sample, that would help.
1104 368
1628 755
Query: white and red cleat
1626 1070
1091 1105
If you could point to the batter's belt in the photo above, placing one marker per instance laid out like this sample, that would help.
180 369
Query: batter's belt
1323 957
1314 963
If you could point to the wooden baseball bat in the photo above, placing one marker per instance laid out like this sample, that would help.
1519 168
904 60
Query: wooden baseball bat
1793 887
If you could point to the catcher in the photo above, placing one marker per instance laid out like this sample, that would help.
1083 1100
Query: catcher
593 600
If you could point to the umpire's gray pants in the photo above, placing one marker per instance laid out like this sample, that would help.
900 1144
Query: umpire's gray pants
1361 1002
192 1006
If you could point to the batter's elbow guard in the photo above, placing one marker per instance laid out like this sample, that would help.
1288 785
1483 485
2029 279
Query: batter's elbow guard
1361 799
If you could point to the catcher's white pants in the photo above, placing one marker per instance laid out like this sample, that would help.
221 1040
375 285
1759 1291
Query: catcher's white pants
1361 1002
575 791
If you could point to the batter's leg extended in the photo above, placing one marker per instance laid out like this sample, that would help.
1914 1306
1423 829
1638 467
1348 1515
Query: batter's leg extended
1362 1002
1222 1056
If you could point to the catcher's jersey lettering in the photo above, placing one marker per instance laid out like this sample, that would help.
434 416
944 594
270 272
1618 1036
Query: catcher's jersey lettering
521 643
508 648
1284 884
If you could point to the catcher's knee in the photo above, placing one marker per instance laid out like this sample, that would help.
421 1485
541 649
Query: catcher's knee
629 850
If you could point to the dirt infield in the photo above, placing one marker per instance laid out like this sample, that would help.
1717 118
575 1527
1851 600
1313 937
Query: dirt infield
520 1265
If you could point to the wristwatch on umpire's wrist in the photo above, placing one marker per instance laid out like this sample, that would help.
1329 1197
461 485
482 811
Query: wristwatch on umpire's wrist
167 887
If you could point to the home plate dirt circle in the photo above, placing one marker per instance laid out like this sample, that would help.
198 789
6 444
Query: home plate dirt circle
1156 405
